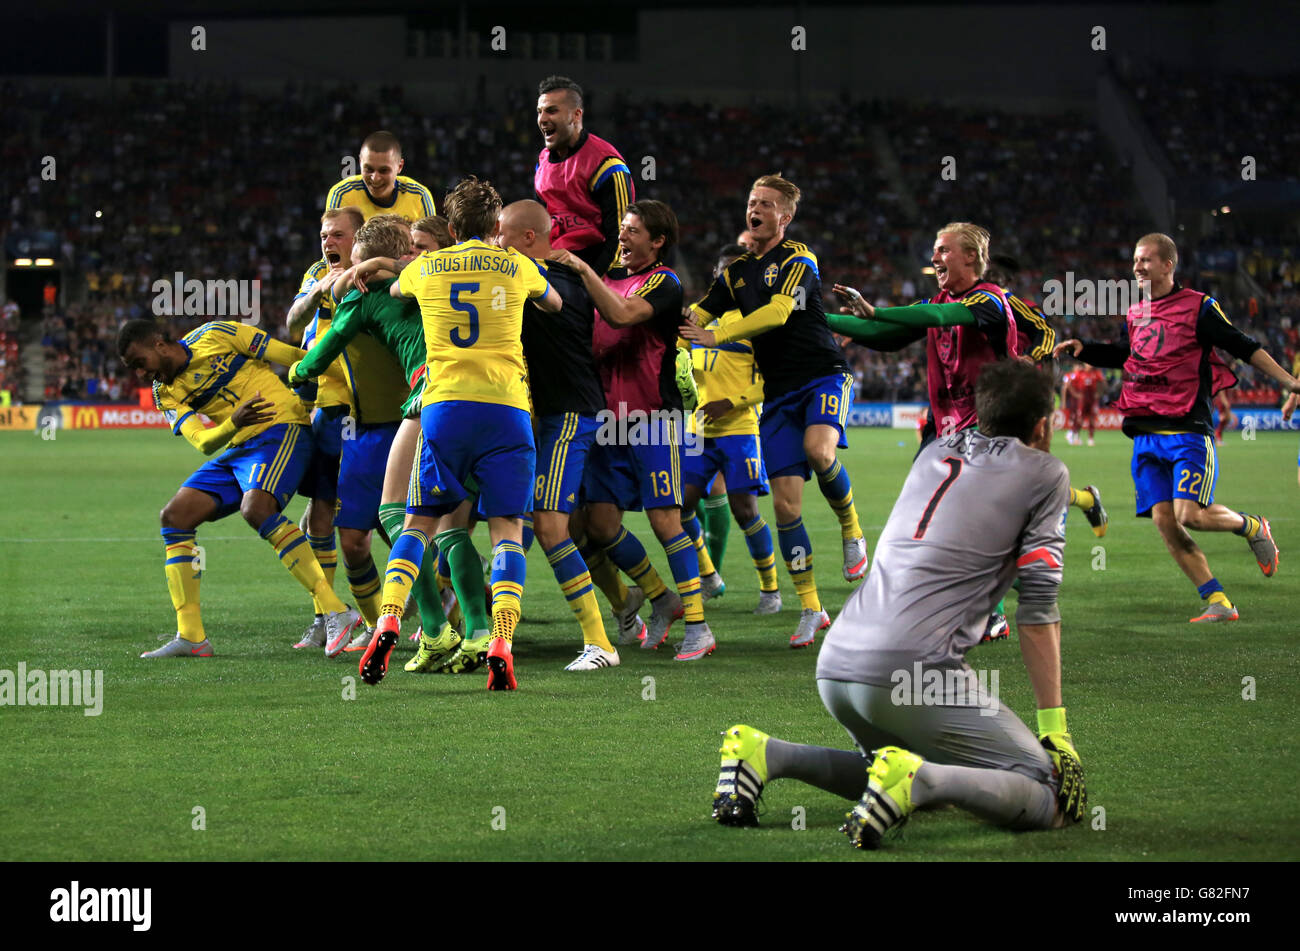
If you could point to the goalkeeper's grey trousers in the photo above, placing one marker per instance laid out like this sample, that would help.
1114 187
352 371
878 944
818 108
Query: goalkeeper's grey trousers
979 757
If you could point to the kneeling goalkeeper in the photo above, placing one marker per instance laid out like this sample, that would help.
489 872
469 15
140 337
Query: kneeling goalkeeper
978 509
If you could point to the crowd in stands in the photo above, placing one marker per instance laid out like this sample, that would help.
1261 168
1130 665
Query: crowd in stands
221 181
81 358
1207 121
1045 185
11 376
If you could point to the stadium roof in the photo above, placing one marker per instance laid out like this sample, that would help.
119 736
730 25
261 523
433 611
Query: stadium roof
276 8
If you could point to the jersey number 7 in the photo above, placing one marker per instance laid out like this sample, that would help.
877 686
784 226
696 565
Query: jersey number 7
463 305
954 465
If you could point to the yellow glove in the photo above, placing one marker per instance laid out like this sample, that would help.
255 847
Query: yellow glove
685 376
1071 795
305 386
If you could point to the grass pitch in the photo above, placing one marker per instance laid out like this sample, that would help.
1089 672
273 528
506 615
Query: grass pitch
615 764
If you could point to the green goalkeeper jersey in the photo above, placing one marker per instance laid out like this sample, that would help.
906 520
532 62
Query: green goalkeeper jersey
394 322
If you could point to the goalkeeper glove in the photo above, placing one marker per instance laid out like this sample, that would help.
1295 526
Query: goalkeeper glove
1071 796
685 376
304 386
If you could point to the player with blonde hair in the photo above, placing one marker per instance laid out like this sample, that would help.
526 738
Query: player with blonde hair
1171 374
807 386
475 422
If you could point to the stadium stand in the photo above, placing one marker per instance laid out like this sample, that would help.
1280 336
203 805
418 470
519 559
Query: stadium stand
221 181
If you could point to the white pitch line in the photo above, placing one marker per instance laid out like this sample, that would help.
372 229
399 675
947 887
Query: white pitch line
114 541
201 537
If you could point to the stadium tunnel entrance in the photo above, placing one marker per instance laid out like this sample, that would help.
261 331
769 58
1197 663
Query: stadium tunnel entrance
32 288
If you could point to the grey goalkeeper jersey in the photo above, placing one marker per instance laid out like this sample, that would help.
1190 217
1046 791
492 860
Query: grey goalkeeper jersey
974 512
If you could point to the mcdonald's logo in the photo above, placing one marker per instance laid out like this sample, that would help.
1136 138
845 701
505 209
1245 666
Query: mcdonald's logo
85 417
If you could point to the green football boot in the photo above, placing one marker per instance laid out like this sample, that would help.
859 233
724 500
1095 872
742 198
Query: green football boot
433 651
741 779
469 656
887 802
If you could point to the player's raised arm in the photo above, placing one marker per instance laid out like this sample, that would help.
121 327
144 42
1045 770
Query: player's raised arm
406 284
1289 406
1263 361
1072 347
305 304
953 314
768 317
1213 327
858 323
617 310
551 302
797 279
260 345
319 360
875 334
717 301
1097 353
855 303
355 277
540 291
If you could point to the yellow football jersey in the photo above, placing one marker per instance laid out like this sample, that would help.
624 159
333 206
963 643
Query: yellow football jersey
330 391
472 297
378 383
410 199
376 387
728 371
226 367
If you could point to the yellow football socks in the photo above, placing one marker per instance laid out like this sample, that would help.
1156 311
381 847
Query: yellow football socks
183 570
295 554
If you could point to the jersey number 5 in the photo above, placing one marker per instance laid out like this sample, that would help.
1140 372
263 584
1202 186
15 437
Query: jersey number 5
467 307
954 466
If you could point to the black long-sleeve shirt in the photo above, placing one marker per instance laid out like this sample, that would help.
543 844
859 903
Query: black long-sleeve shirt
612 196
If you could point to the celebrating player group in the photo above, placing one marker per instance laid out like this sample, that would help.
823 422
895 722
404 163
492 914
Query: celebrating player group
534 365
